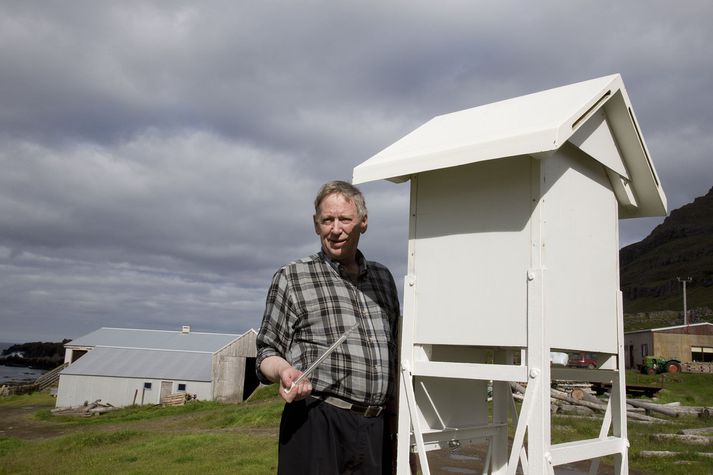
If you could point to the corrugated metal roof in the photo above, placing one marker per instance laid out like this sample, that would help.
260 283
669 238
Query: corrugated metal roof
137 363
155 339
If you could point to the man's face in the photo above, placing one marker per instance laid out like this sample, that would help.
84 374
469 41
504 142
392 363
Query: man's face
338 226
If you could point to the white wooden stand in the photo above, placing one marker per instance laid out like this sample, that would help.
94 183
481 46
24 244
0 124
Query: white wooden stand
513 253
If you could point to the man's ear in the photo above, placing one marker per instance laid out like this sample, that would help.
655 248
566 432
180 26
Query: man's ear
364 224
316 226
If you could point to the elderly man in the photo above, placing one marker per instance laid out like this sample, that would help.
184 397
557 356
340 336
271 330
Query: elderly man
334 420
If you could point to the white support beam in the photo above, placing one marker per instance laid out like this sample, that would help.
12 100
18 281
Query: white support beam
415 425
502 403
528 407
479 371
618 398
585 449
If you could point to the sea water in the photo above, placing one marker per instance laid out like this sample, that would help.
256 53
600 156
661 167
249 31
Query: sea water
19 374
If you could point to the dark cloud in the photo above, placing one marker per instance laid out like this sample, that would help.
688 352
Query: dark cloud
159 160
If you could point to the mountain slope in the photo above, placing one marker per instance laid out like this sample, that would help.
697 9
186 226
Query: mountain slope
681 246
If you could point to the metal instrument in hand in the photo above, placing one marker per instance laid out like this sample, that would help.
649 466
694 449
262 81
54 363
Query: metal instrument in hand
319 360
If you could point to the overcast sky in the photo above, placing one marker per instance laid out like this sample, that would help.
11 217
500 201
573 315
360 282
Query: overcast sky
158 160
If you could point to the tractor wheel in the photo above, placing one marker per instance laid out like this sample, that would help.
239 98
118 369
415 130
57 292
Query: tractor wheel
650 371
673 367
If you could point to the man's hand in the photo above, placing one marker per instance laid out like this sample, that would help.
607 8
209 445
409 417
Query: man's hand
290 393
278 370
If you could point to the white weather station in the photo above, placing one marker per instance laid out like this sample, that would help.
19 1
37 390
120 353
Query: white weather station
513 254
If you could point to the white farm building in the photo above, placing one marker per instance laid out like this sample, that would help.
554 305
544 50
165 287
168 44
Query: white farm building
124 366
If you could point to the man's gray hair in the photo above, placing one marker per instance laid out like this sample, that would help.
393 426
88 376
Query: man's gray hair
347 190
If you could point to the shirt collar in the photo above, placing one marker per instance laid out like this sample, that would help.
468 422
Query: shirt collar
340 269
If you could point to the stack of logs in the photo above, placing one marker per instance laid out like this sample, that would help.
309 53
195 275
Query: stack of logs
97 407
697 367
177 399
581 402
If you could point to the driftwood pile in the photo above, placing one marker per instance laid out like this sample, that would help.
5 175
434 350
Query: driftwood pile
579 401
88 409
97 407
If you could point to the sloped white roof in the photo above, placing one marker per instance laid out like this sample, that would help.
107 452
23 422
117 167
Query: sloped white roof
147 364
595 116
155 339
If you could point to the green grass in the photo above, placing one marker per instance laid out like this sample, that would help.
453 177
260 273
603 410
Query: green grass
8 445
688 462
200 436
686 388
129 414
141 452
34 399
689 390
255 413
208 437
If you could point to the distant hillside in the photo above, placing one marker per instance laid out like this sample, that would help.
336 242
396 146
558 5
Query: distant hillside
681 246
36 354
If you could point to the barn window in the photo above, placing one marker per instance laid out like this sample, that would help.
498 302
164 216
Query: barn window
147 385
181 386
644 350
702 354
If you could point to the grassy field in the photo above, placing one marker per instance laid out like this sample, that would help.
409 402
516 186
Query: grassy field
200 437
687 389
207 437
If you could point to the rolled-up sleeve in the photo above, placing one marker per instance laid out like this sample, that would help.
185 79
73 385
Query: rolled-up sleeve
275 335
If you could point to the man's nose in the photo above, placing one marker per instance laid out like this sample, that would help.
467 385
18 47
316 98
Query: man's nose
337 227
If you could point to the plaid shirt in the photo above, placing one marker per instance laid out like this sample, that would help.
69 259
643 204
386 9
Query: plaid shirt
311 303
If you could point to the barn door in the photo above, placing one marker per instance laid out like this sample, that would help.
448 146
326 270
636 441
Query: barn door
166 387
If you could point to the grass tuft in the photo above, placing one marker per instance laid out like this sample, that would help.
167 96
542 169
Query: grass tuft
98 439
8 444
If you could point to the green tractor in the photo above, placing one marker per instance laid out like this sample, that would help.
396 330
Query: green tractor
657 364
